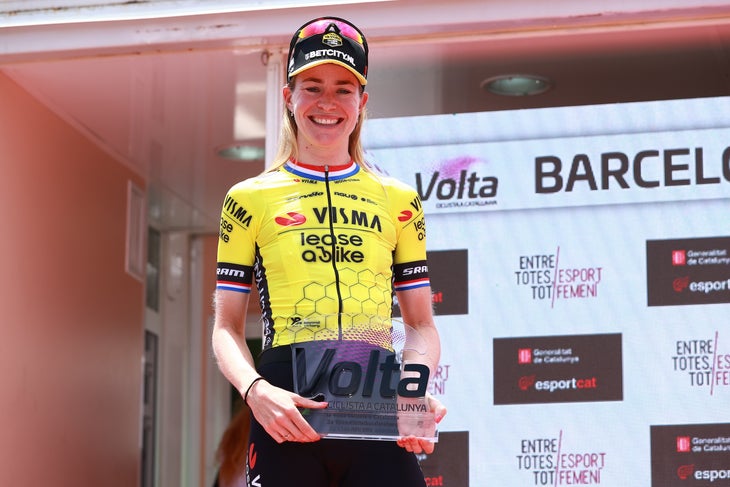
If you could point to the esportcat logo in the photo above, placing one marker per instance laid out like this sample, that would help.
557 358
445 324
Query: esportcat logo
709 286
690 454
682 284
527 382
685 472
549 369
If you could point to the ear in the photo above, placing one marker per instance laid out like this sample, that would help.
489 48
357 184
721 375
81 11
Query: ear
363 99
286 93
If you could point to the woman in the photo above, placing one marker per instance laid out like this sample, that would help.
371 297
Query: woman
326 240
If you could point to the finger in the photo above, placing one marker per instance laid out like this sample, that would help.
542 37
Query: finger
280 437
416 445
300 430
439 413
303 402
305 432
439 410
427 447
408 443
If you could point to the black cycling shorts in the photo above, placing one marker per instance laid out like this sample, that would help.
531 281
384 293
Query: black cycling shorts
324 463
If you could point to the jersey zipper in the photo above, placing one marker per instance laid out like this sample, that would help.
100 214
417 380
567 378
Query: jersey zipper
333 250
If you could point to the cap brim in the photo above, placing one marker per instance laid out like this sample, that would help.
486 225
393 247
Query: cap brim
363 81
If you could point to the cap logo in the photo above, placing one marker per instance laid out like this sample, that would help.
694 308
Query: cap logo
331 39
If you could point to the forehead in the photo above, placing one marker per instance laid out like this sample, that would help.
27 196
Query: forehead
330 73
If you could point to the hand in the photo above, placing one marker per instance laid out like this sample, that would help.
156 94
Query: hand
413 437
277 410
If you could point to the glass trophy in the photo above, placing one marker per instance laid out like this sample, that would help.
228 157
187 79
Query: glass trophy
372 372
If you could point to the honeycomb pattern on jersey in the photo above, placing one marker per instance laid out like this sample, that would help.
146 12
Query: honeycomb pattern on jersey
366 300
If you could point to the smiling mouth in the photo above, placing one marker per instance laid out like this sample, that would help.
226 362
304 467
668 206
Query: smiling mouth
325 121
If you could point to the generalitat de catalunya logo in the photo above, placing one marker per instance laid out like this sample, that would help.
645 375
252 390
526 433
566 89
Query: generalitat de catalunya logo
552 369
688 271
690 455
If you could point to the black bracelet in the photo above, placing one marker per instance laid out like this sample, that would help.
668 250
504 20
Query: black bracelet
245 396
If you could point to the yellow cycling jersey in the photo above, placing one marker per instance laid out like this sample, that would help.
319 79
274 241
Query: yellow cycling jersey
321 243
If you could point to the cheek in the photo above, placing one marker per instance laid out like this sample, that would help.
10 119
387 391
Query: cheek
300 103
355 106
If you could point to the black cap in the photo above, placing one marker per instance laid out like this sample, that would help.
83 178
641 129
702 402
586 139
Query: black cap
329 40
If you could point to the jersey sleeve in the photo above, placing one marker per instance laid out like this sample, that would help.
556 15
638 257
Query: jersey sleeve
410 269
237 240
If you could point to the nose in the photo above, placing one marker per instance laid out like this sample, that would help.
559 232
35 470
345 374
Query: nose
326 101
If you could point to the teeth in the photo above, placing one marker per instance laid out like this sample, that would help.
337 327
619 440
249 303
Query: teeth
325 121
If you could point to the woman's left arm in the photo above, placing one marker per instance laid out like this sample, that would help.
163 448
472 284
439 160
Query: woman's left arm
416 311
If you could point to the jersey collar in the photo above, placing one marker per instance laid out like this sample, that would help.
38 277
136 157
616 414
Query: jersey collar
317 173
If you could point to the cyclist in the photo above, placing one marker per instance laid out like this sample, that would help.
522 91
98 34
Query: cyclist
322 235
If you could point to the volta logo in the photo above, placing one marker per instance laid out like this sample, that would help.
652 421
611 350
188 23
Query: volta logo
685 472
292 219
465 185
345 378
405 215
458 182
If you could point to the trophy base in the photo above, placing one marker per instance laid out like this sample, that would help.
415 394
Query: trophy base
349 425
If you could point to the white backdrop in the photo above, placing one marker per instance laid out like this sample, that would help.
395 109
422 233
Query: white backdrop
548 260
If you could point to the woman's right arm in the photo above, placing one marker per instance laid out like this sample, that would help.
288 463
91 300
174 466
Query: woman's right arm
274 408
229 339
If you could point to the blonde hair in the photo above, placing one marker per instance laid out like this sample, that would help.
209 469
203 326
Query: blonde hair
288 139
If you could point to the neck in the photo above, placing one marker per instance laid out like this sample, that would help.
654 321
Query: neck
315 157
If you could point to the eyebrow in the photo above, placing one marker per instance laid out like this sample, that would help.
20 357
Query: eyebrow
314 79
